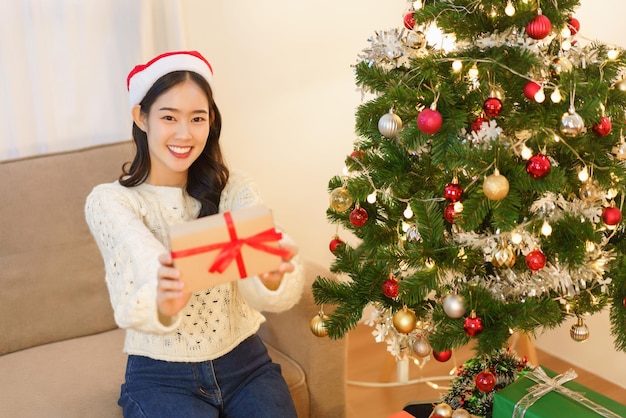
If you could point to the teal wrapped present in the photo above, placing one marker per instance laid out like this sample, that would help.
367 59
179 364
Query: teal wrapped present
542 394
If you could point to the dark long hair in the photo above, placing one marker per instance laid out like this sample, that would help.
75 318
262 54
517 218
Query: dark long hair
208 174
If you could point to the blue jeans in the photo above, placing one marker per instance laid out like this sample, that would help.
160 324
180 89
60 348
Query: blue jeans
241 384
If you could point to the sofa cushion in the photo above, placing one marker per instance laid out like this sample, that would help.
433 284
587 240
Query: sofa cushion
52 272
81 377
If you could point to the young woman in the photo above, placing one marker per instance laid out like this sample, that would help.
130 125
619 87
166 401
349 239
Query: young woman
190 354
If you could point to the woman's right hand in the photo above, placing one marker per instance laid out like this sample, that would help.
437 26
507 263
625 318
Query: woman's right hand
171 297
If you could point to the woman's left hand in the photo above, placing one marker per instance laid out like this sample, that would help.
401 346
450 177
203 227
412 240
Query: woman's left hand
272 279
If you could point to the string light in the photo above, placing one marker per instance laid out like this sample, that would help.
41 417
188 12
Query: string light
612 54
556 96
526 152
457 65
371 198
540 96
509 9
546 229
583 174
516 238
408 212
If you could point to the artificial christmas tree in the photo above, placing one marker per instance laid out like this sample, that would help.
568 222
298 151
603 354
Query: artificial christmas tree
487 180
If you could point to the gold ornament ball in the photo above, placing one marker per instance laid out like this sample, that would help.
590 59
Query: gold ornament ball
589 191
318 325
340 199
503 256
621 85
496 186
405 320
579 331
443 409
461 413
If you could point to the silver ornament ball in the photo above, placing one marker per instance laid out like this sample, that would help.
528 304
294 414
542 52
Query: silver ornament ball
572 124
421 347
579 331
454 306
389 125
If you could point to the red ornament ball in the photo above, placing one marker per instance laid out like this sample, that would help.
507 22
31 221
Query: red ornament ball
409 21
539 27
477 125
429 121
485 381
442 356
334 243
473 325
391 288
492 107
453 192
535 260
538 166
624 302
449 213
357 154
603 128
531 89
573 25
358 216
611 215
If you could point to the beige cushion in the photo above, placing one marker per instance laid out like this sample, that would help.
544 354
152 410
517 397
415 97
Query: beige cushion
81 378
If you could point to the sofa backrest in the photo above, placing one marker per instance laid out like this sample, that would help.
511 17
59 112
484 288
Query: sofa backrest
52 283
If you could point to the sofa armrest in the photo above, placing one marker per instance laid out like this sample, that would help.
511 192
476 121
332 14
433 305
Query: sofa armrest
323 360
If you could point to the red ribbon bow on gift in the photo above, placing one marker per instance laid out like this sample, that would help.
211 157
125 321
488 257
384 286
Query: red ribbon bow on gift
231 250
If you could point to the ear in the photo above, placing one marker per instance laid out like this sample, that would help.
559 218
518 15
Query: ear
139 117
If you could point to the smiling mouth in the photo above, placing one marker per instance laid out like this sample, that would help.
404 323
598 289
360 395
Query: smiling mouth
179 151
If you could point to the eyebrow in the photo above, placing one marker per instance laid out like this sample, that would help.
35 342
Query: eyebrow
172 109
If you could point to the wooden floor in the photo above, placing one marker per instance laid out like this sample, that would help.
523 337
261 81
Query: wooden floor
370 363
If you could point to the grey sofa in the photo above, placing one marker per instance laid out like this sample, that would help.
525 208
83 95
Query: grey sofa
60 350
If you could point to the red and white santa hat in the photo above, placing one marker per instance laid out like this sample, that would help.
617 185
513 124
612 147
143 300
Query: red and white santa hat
143 76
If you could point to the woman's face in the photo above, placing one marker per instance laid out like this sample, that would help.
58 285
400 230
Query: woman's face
177 128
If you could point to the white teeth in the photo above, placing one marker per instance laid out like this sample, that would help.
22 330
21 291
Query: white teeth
179 150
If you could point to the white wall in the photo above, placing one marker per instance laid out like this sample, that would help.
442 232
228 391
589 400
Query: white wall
287 95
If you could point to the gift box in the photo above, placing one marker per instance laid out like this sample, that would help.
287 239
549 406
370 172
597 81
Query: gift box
541 394
228 246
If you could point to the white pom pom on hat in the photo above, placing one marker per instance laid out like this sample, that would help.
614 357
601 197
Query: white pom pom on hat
143 76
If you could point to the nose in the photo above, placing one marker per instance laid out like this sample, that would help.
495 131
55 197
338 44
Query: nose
182 131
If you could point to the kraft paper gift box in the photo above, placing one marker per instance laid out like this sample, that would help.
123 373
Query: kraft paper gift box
225 247
554 396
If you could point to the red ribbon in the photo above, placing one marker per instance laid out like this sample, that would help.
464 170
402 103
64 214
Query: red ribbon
231 250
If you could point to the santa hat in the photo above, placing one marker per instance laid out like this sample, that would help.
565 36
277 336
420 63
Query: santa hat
143 76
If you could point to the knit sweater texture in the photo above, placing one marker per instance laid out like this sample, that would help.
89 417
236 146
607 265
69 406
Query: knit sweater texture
130 226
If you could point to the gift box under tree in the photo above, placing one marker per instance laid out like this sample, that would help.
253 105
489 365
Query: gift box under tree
542 394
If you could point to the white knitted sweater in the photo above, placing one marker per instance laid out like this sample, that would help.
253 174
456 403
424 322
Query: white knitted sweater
130 228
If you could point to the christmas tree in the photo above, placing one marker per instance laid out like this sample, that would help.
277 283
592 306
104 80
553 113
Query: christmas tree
485 189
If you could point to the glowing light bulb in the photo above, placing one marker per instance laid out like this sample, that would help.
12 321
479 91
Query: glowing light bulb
516 238
417 4
509 10
546 229
566 45
540 96
583 174
458 207
556 96
612 54
473 72
566 32
557 138
408 212
371 198
457 66
526 152
345 171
